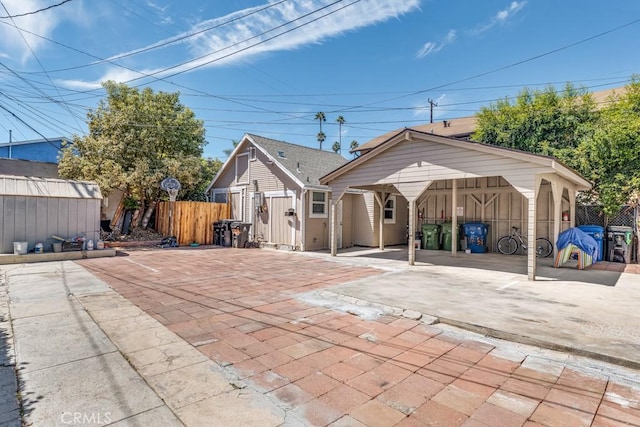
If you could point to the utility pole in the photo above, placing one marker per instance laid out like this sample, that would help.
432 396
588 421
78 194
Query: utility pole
431 105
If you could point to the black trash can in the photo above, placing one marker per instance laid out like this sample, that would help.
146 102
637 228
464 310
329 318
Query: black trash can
619 243
222 232
240 233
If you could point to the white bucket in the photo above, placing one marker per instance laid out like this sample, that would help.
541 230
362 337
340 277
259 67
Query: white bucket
20 248
57 247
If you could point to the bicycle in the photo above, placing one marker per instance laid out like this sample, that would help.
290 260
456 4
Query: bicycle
508 245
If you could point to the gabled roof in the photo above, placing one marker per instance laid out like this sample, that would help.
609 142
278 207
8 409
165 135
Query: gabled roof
411 133
461 127
303 165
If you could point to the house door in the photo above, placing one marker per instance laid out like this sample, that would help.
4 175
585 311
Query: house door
281 227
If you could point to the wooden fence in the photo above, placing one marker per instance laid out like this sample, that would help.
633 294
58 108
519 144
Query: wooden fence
192 222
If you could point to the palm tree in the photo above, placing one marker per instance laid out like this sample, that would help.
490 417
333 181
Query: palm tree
321 137
336 147
320 117
340 121
227 151
354 145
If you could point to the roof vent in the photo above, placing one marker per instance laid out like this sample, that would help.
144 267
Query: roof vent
298 167
281 154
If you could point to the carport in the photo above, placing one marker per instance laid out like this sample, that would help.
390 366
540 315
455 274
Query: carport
420 166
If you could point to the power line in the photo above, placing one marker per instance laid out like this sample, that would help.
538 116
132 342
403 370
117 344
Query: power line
34 12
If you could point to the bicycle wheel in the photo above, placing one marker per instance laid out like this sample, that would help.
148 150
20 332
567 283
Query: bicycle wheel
507 245
544 247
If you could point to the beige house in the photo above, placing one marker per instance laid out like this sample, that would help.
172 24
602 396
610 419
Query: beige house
414 177
275 186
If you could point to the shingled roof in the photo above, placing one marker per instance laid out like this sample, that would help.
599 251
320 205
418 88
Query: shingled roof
306 164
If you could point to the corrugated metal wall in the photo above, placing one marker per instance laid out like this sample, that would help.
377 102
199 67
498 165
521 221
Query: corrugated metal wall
36 219
33 210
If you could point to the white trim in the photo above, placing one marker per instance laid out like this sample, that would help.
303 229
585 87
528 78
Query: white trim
236 171
393 209
325 214
280 193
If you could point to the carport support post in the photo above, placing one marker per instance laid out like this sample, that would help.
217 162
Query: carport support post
454 217
532 197
412 233
556 190
333 229
380 199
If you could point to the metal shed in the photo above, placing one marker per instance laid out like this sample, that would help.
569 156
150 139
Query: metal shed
34 209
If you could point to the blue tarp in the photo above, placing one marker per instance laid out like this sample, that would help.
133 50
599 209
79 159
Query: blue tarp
579 238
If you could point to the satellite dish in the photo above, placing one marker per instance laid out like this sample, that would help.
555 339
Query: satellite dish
169 184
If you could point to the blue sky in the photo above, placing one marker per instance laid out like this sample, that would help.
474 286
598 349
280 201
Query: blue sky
267 67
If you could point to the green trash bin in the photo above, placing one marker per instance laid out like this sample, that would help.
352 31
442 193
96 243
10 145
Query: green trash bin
446 233
431 236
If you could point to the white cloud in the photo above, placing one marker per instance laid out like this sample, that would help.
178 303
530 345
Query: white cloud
277 28
500 17
433 47
15 43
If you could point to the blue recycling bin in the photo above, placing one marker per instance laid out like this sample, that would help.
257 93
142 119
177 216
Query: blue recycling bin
597 232
476 234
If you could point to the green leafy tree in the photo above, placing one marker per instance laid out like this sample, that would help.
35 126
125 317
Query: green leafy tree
208 169
340 121
541 121
137 138
320 117
610 155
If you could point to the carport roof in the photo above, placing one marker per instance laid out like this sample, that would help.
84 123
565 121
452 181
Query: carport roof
410 134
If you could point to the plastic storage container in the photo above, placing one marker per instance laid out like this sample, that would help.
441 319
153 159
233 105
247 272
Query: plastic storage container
20 248
619 239
431 236
446 236
476 233
597 232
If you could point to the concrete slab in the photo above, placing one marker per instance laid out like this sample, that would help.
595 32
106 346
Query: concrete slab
155 417
184 386
236 408
137 333
29 258
99 388
165 358
592 313
54 339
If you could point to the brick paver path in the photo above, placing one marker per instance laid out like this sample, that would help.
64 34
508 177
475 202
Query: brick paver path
327 367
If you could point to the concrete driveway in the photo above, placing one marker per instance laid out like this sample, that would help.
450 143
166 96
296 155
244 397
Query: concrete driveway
593 312
215 336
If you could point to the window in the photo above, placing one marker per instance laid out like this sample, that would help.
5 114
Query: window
390 210
252 153
242 168
318 205
220 197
